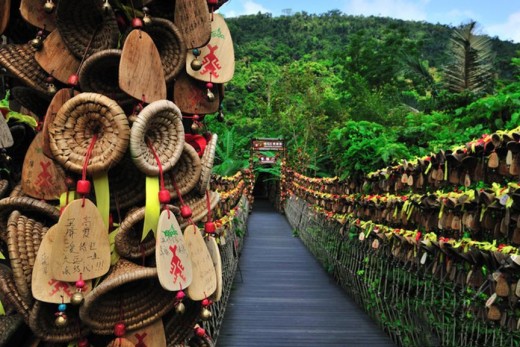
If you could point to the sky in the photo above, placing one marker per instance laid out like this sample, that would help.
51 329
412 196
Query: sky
494 17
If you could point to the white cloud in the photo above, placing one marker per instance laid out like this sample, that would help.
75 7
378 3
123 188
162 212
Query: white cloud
242 7
509 30
402 9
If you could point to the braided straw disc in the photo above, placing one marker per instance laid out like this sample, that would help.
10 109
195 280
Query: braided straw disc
159 122
170 44
81 21
186 172
19 61
129 287
207 164
100 74
76 123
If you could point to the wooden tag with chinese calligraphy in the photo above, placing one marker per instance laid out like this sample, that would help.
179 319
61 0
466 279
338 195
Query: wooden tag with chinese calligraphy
151 336
5 9
214 252
60 98
42 178
56 59
172 258
34 13
204 281
81 245
141 72
218 56
193 20
44 287
191 95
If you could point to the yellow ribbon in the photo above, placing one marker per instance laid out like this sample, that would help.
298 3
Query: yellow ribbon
101 187
152 209
2 309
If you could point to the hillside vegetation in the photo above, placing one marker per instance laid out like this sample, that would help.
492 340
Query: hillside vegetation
351 94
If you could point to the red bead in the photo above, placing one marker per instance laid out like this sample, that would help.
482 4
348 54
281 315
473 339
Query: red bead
209 227
49 79
185 211
180 295
209 85
83 187
73 80
120 329
212 2
80 284
83 343
69 182
200 332
137 23
206 302
196 117
164 196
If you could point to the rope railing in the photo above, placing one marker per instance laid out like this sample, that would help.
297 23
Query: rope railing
433 259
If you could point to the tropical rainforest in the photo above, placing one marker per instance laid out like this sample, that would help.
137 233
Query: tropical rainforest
351 94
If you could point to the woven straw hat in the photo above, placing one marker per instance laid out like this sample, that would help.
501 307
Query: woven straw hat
159 122
198 205
24 236
100 74
19 61
186 172
85 24
32 99
208 157
170 44
131 293
128 240
75 124
127 185
4 188
41 322
179 328
10 293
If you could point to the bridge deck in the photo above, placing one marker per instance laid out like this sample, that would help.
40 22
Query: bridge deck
283 297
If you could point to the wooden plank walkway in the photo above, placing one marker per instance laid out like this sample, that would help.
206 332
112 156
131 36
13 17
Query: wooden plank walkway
284 297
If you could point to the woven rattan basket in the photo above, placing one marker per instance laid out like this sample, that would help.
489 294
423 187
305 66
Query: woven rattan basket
127 185
179 328
131 293
77 121
32 99
86 27
18 60
159 123
10 293
208 157
186 172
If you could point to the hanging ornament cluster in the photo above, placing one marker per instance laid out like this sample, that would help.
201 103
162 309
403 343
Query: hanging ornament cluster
115 185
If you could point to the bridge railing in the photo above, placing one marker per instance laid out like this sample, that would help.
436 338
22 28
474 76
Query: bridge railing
429 255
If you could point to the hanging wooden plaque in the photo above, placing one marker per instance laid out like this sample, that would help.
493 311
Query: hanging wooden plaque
56 59
141 72
204 281
44 287
150 336
6 138
42 178
214 252
172 258
5 9
193 19
217 57
81 245
191 95
60 98
34 13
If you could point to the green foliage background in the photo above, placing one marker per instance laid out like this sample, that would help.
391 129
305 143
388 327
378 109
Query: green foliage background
351 94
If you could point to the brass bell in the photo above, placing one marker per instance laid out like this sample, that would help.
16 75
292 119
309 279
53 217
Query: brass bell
210 95
61 320
205 314
106 6
77 298
37 42
180 308
49 6
196 64
51 88
195 126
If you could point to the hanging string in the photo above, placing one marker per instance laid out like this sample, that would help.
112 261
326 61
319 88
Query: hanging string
161 174
190 220
87 159
208 205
